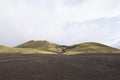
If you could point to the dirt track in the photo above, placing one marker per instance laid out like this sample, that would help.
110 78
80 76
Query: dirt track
59 67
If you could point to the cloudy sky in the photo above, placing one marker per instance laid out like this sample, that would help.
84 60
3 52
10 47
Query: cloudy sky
61 21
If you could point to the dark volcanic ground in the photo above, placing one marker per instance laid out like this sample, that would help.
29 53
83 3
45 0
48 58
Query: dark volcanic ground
60 67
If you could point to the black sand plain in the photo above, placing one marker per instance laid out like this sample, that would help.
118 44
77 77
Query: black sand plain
60 67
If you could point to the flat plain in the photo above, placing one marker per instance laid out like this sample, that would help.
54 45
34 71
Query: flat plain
59 67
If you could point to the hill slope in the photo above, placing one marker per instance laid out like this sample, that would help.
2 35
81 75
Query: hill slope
42 45
90 47
4 49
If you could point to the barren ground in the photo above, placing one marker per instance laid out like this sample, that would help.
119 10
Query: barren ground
60 67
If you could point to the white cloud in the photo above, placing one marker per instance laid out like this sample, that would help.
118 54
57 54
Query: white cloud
23 20
116 40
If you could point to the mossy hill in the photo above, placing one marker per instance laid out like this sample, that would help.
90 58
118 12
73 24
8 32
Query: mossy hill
42 45
4 49
89 47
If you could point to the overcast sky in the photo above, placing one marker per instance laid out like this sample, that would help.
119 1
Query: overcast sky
64 22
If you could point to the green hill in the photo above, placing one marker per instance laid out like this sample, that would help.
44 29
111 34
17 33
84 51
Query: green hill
1 46
45 47
42 45
90 47
4 49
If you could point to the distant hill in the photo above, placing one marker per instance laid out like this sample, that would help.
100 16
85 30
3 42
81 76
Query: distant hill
45 47
90 47
4 49
1 46
42 45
